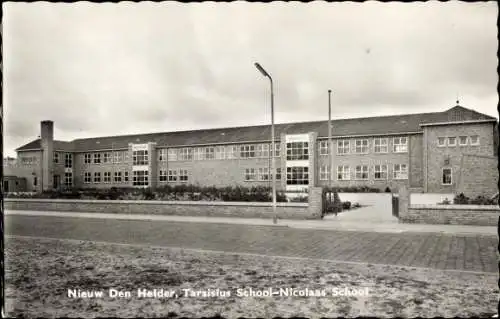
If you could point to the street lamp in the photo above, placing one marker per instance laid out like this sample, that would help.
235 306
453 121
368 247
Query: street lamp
264 73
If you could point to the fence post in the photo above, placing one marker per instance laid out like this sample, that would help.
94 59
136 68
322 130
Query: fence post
315 202
404 202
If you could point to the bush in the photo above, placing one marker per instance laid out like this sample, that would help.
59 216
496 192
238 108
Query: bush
346 205
388 190
461 199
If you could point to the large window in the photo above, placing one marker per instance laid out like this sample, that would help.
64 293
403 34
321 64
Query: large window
87 177
97 177
231 152
118 177
220 152
140 178
125 176
380 145
343 173
361 146
323 173
323 148
163 176
183 175
140 158
172 175
263 174
297 175
297 151
68 179
361 172
118 157
162 154
186 154
278 173
247 151
107 177
97 158
380 171
209 152
68 160
400 171
250 174
277 149
400 145
56 158
446 180
263 150
172 155
107 157
343 147
87 158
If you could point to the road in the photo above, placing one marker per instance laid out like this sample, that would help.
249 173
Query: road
440 251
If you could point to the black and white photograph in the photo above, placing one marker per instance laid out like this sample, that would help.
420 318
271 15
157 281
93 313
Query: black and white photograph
243 159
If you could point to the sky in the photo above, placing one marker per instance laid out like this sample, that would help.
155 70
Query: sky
124 68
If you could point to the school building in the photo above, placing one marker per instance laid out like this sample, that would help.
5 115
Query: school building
451 151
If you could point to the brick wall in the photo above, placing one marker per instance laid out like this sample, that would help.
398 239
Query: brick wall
478 215
26 171
478 175
177 208
435 157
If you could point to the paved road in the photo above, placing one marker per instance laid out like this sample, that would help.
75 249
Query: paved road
442 251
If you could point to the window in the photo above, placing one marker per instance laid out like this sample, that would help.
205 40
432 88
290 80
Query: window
97 177
97 158
297 175
56 158
171 156
35 181
28 160
118 157
247 151
278 173
462 140
231 152
163 176
126 157
250 174
140 178
400 145
343 173
452 141
323 173
361 146
263 150
446 176
380 145
441 141
297 151
199 154
474 140
172 175
87 177
323 148
209 153
68 179
125 176
183 175
140 158
107 177
400 171
380 171
68 160
361 172
87 158
277 149
263 174
220 152
118 177
343 147
186 154
107 157
162 154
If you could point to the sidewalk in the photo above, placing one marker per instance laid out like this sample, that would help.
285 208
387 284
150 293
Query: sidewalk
329 224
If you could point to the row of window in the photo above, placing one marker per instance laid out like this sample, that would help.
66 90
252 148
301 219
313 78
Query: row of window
362 146
105 177
260 174
106 157
462 140
361 172
217 152
173 175
68 159
138 177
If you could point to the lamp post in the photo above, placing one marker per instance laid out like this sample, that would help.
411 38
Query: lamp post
273 175
330 146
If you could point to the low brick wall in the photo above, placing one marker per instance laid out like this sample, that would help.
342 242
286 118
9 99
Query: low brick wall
177 208
478 215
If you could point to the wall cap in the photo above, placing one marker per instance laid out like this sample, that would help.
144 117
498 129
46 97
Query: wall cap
493 208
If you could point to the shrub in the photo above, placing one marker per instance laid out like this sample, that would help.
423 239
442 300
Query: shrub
461 199
346 205
388 190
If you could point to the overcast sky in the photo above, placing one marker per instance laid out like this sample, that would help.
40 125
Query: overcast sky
108 69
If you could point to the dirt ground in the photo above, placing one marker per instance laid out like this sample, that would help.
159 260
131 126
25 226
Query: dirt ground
39 273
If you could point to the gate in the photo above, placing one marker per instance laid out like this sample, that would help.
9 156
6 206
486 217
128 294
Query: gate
330 205
395 205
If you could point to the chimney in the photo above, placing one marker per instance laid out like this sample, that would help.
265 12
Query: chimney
47 146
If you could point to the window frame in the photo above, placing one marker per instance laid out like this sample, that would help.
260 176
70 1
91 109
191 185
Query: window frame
394 171
443 176
386 145
297 175
394 144
297 151
362 147
343 147
381 171
449 141
474 144
460 140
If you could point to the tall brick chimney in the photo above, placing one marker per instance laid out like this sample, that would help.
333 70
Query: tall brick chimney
47 144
